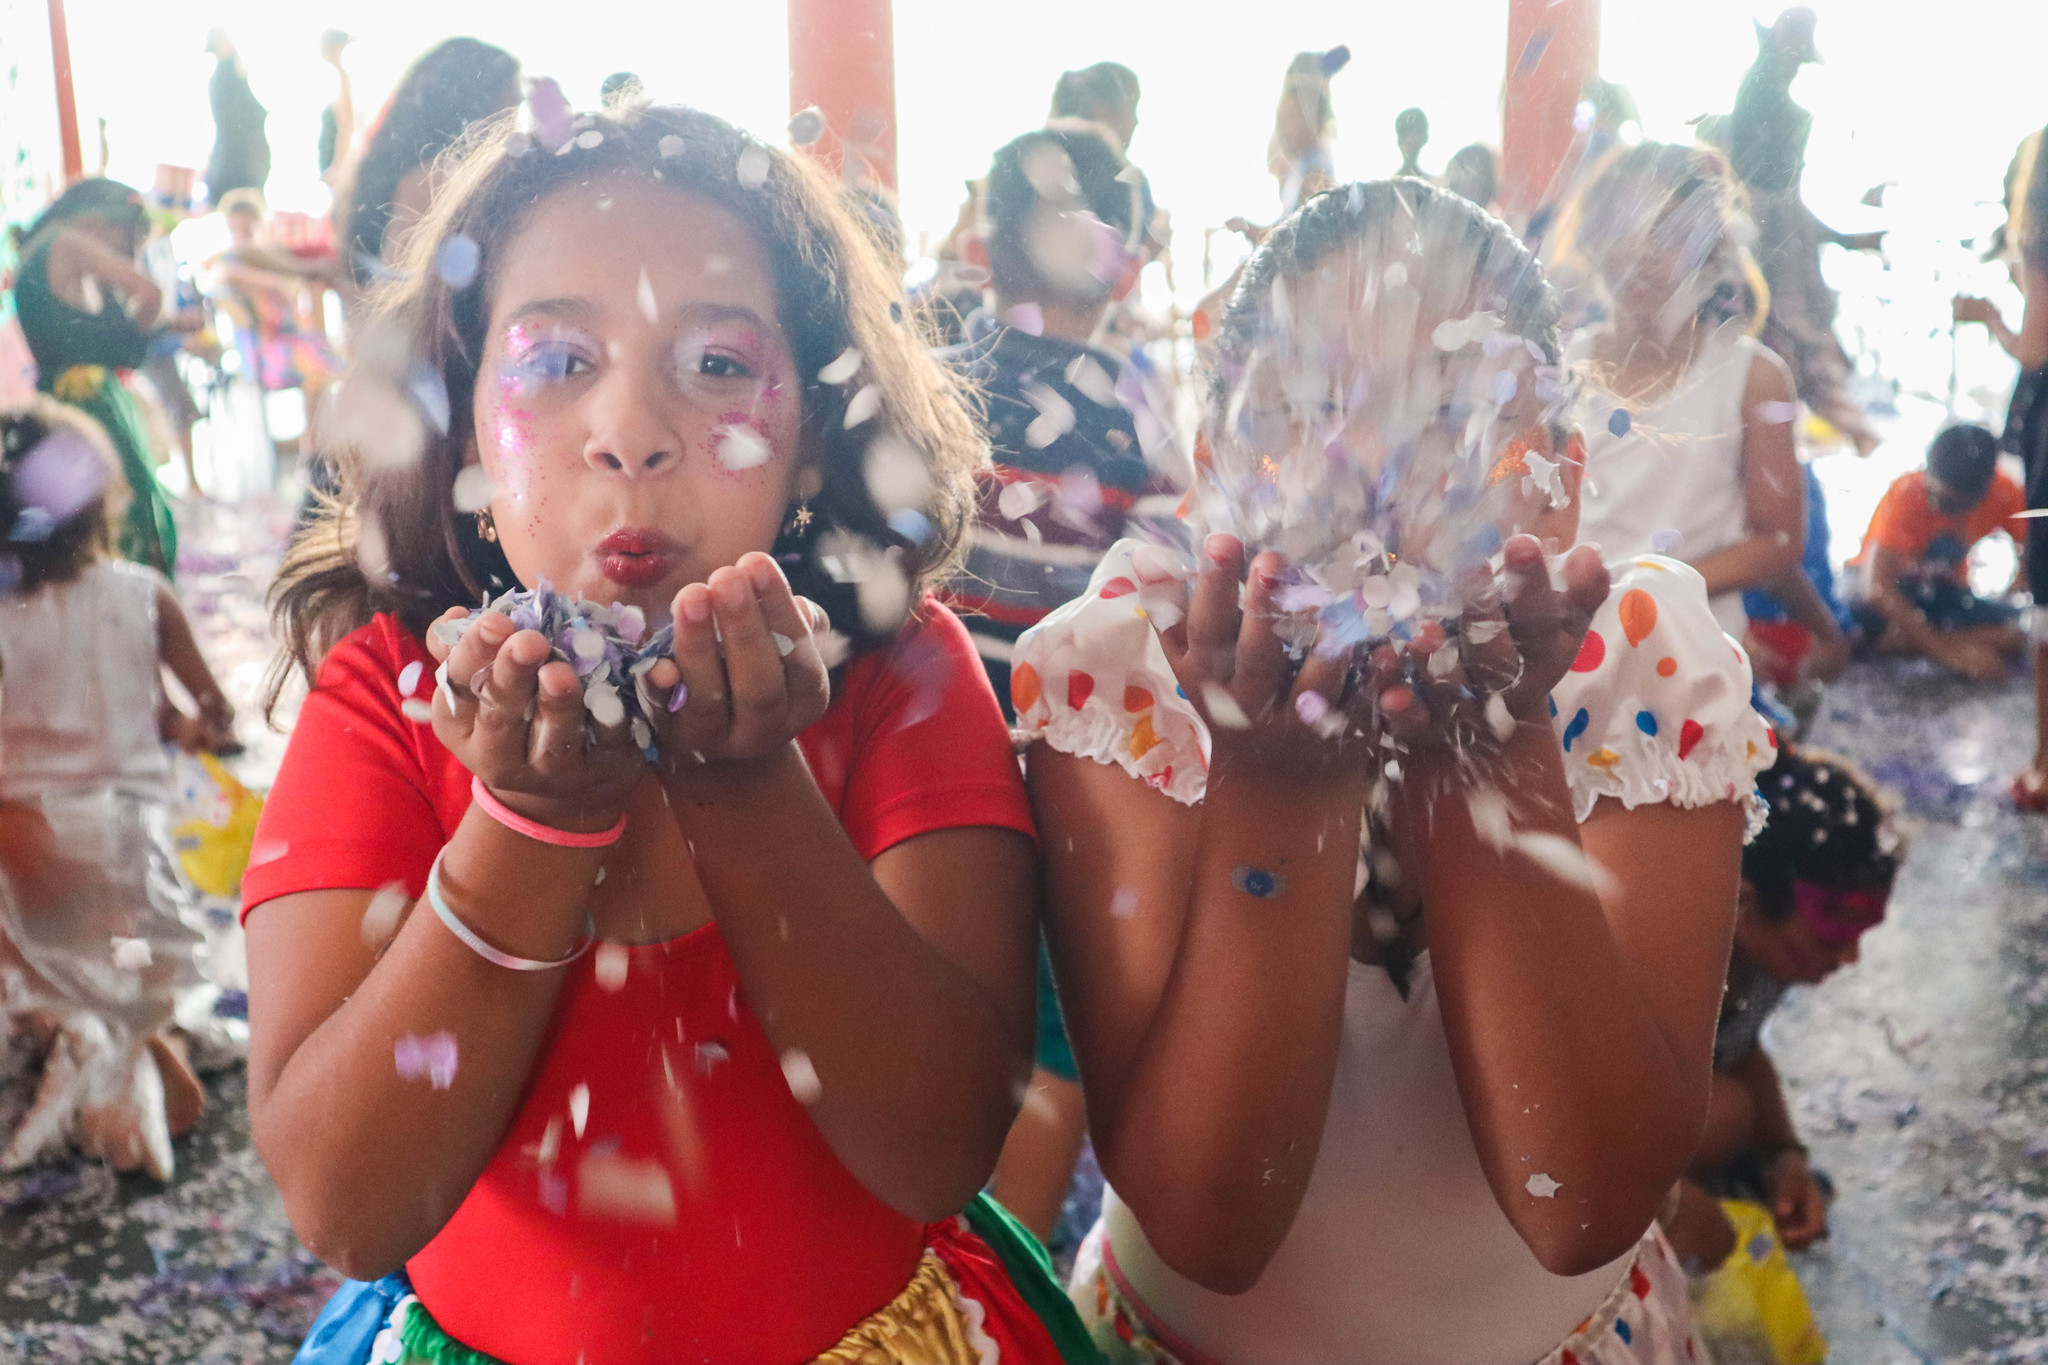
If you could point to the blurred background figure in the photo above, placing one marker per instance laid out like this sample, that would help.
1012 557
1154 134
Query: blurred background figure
1473 173
1105 93
1304 126
241 150
89 312
272 298
338 117
1914 597
619 87
1411 135
450 86
1767 135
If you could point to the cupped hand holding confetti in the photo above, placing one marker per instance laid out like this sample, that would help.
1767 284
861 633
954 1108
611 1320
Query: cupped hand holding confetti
1271 694
751 676
520 720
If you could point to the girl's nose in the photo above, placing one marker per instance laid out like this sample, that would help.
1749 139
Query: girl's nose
631 432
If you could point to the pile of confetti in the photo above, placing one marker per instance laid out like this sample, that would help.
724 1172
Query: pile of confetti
607 644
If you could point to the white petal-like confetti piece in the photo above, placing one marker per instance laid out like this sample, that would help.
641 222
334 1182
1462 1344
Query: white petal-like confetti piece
1498 718
671 145
740 447
609 965
784 646
579 1107
409 677
843 367
751 168
431 1058
1124 903
802 1076
381 916
417 711
862 406
1223 708
1542 1186
131 954
473 489
588 138
1020 499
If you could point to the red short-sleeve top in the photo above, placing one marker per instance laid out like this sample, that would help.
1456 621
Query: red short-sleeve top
660 1195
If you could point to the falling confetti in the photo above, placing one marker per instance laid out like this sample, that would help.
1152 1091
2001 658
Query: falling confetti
644 295
579 1107
751 168
381 916
609 966
1542 1186
131 954
409 677
671 145
862 406
457 260
806 126
431 1058
738 447
802 1076
1619 422
842 368
417 711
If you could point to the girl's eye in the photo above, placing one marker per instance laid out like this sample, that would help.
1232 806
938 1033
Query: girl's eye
548 362
713 365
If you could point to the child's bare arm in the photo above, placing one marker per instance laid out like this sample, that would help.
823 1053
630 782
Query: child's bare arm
908 984
1581 1024
179 650
370 1165
1774 489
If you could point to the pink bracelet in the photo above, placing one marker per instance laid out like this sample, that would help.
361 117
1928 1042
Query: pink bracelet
533 829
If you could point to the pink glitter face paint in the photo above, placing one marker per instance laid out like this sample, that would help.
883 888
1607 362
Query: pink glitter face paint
538 356
739 444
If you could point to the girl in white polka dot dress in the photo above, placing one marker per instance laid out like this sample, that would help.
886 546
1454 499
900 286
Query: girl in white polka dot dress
1394 1044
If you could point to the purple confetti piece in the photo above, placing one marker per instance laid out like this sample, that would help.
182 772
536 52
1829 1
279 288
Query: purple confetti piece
678 697
432 1058
550 112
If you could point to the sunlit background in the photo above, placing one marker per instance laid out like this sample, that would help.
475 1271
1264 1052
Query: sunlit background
1926 100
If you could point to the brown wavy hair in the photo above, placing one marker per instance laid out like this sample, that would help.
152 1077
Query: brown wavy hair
393 540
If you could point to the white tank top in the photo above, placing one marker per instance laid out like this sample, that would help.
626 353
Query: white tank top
1396 1149
79 683
1677 468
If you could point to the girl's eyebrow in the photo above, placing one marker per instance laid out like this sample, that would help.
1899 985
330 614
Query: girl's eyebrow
726 312
560 310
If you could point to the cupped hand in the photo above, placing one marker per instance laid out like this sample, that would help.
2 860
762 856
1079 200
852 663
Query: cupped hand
747 660
1258 702
1517 638
514 716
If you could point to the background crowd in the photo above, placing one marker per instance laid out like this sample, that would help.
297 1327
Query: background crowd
165 323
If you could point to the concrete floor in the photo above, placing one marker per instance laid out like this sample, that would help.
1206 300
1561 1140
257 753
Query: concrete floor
1916 1076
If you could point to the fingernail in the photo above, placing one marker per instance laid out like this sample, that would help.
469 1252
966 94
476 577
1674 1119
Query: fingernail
763 573
1221 549
697 605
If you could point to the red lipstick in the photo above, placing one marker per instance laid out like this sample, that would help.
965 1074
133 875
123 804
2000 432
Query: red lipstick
636 557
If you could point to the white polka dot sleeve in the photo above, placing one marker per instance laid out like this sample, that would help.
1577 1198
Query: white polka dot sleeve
1657 706
1092 679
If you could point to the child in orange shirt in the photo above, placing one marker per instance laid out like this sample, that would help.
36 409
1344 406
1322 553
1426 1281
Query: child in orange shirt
1917 599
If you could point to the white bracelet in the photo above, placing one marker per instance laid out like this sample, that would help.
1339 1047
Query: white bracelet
484 950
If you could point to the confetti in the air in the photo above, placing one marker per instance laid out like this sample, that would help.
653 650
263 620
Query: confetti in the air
382 915
751 168
131 954
431 1058
456 262
806 127
609 966
473 489
843 367
739 447
862 406
579 1107
802 1076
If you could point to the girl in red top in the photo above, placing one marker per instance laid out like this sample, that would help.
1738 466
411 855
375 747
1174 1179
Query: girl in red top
742 1129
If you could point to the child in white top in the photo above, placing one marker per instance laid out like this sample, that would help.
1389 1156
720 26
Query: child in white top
97 948
1688 419
1414 1099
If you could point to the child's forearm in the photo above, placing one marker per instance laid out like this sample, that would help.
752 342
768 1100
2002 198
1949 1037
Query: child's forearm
1568 1061
372 1164
1749 563
919 1072
1773 1130
1218 1123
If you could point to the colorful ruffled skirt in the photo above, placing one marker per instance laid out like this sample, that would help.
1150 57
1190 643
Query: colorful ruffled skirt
983 1294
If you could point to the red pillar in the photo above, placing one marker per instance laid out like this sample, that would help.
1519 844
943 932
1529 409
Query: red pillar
1553 52
67 102
842 58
